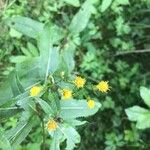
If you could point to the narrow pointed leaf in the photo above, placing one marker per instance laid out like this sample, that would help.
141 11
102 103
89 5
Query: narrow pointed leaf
45 106
80 20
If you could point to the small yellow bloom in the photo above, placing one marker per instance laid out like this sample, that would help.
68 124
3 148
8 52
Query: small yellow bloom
35 90
103 86
66 94
91 104
79 82
51 125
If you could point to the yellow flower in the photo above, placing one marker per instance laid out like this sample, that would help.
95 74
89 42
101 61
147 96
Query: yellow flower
103 86
66 94
35 90
91 104
79 82
51 125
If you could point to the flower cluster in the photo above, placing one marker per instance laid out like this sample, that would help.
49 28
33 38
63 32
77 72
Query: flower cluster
80 82
67 94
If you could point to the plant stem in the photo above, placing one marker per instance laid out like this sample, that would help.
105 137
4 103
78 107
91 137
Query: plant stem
133 52
43 132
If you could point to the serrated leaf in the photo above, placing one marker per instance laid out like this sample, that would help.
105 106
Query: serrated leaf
80 20
140 115
145 94
77 108
75 3
26 26
18 134
72 137
105 5
75 122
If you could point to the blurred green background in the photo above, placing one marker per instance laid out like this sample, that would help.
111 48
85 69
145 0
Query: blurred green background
115 46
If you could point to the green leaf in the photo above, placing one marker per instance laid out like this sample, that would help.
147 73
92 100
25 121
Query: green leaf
4 143
75 3
9 112
105 5
72 137
54 102
33 50
19 59
81 19
54 60
28 72
145 94
45 106
26 26
5 92
49 56
26 52
18 134
75 122
45 47
77 108
55 143
140 115
14 33
16 85
68 56
123 2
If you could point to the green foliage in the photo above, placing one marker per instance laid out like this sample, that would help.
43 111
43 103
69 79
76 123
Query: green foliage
145 94
139 114
41 105
80 20
4 143
26 26
75 3
77 109
104 36
105 5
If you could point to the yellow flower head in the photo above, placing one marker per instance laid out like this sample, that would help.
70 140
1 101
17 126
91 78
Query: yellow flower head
91 104
35 90
79 82
51 125
103 86
66 94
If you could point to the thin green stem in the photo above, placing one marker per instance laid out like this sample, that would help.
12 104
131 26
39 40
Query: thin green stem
43 133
